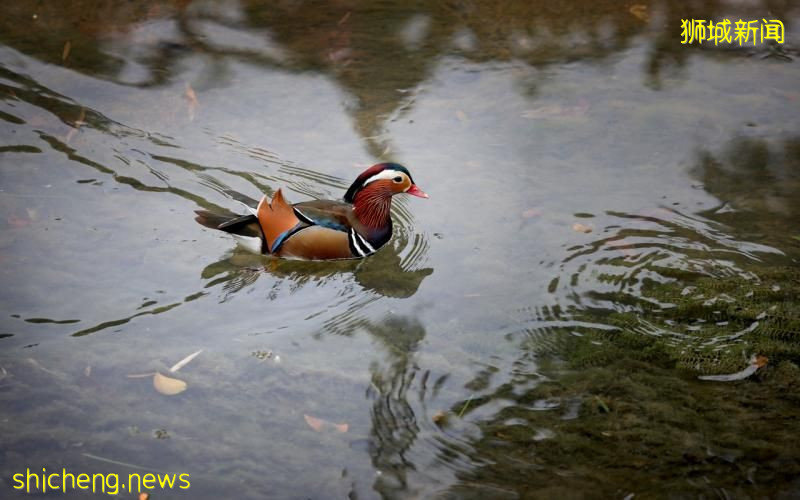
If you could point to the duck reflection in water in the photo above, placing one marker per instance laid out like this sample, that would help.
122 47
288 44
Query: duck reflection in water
385 273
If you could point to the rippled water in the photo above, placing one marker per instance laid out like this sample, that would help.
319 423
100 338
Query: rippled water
611 212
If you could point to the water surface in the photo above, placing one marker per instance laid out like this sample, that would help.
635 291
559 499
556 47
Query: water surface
611 212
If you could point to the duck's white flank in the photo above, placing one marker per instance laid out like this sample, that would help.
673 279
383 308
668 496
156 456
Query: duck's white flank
249 243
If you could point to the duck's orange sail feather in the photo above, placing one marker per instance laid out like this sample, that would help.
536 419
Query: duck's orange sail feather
275 218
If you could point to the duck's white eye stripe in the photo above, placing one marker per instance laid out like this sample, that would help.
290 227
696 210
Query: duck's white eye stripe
386 174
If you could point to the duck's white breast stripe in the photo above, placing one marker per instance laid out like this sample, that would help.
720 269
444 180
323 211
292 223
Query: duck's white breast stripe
354 243
364 243
360 244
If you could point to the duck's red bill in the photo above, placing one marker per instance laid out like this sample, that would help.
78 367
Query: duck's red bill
414 190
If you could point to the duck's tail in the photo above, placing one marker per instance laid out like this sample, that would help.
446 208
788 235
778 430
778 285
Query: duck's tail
210 219
243 225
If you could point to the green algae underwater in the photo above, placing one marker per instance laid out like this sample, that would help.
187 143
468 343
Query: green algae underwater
647 422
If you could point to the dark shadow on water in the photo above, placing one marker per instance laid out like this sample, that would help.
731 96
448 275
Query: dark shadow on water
404 442
759 180
384 273
395 426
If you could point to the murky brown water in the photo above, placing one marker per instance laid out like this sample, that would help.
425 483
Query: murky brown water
518 338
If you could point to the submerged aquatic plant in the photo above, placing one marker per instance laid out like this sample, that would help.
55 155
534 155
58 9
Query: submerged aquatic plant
706 325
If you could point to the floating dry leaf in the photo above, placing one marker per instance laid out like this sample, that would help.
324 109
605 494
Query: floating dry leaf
180 364
17 222
193 102
67 49
640 12
321 425
144 496
531 212
756 362
439 418
168 386
558 111
627 249
581 228
462 117
76 125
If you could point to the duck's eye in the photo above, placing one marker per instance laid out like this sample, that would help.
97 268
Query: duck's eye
398 179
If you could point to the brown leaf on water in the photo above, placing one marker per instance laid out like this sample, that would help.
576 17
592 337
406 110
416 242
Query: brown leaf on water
577 110
761 361
168 386
66 50
640 12
17 222
439 418
627 249
76 125
315 423
531 212
191 97
321 425
581 228
144 496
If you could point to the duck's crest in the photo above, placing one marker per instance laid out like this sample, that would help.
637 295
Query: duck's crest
356 186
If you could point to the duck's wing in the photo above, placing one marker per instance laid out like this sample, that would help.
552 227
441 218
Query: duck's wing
328 232
335 215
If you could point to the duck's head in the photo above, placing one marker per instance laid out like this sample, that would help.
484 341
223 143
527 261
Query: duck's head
383 180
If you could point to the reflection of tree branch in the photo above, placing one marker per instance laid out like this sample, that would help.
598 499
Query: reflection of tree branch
394 424
362 49
117 322
771 203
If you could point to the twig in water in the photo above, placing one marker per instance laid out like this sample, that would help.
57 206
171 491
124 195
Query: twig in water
464 408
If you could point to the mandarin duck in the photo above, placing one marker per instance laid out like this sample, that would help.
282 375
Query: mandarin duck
322 229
